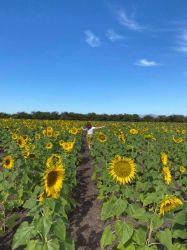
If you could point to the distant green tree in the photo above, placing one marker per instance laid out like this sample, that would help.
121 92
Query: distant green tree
93 117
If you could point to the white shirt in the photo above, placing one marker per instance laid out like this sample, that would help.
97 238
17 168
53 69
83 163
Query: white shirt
90 131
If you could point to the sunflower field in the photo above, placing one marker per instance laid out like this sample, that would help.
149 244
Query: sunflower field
38 161
140 170
141 174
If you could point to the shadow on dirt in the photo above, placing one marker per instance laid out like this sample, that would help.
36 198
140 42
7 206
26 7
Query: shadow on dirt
85 225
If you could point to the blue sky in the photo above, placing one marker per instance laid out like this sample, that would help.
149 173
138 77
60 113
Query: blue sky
93 56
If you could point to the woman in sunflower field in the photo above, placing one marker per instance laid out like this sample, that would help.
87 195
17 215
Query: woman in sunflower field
90 130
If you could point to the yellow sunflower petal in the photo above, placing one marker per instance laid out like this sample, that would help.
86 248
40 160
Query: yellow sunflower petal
53 180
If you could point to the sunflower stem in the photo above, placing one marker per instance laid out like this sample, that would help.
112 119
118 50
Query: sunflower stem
150 232
148 146
154 243
132 149
3 206
4 218
41 236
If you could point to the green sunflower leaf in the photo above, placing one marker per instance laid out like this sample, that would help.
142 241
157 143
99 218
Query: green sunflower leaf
113 207
107 237
165 238
124 231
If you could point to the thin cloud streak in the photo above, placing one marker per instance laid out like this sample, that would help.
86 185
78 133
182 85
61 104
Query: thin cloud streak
146 63
91 39
182 41
127 22
113 36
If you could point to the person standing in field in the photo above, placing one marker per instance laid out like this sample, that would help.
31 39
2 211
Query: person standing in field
90 130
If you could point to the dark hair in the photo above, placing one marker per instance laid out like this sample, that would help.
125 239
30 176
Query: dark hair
88 125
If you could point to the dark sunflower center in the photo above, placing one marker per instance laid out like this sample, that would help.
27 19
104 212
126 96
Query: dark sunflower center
121 138
7 162
122 169
55 159
167 206
32 156
102 137
52 178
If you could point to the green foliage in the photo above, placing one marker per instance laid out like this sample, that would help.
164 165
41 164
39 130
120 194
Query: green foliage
132 209
21 185
123 231
142 197
107 237
165 238
23 235
113 207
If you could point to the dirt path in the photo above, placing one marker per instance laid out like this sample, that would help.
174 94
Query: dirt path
85 224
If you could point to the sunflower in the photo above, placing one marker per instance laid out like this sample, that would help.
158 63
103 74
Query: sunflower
177 130
117 132
165 130
167 175
14 136
26 138
68 146
61 142
133 131
182 169
144 129
26 153
168 204
53 180
177 140
56 133
73 131
183 132
54 160
122 138
49 129
49 133
49 145
164 158
8 162
102 137
122 169
21 142
37 136
44 132
150 137
32 156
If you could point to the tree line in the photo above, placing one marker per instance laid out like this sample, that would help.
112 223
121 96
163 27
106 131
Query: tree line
94 117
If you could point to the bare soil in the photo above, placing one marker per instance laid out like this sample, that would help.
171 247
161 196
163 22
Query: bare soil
6 240
85 224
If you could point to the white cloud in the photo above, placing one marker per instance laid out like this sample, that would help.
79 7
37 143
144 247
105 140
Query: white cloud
113 36
127 22
182 42
146 63
91 39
